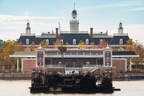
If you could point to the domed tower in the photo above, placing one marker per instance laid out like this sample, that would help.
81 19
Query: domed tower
120 29
74 15
28 29
74 23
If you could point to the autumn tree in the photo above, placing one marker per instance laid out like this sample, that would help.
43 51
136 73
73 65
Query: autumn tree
19 46
81 44
92 44
32 46
43 44
8 49
137 48
57 43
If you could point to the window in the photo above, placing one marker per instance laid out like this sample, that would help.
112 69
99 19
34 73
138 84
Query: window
108 64
47 41
62 41
101 42
74 41
87 41
27 41
121 41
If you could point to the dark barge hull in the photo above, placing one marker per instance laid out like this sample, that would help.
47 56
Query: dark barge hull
74 89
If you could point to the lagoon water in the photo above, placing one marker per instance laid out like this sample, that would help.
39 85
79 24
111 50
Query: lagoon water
20 88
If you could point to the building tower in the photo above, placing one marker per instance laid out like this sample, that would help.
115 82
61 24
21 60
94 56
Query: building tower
28 29
74 23
120 29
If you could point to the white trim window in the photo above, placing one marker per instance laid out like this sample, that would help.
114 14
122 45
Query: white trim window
101 41
87 41
74 41
121 41
47 41
27 41
62 41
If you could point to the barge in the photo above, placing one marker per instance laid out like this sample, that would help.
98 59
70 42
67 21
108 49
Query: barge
56 82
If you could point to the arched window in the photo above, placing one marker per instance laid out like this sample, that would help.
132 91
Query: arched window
27 41
87 41
74 41
47 41
101 41
62 41
121 41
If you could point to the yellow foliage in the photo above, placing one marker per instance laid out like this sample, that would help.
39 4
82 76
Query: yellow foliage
81 45
57 43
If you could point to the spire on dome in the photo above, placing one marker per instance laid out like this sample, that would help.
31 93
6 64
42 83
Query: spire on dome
74 13
120 29
28 29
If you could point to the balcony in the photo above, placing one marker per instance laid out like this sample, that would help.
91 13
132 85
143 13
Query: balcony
74 54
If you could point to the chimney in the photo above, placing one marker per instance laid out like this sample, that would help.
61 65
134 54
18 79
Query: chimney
56 33
91 32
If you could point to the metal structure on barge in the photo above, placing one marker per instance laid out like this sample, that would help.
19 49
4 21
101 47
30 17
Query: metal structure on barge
46 81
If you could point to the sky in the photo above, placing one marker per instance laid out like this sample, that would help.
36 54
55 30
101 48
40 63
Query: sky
45 15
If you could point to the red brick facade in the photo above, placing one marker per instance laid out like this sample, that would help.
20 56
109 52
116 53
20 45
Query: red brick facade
28 64
120 64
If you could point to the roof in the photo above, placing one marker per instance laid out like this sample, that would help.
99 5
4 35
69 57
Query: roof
74 12
115 40
31 39
69 37
23 54
124 54
97 40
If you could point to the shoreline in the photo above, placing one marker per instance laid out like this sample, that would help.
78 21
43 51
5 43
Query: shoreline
27 76
15 76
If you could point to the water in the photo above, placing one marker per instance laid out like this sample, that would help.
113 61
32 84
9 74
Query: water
20 88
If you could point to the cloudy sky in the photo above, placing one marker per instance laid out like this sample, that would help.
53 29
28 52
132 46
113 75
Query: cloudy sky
45 15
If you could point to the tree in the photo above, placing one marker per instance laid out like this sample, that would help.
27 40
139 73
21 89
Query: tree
43 44
8 49
19 46
81 44
32 46
57 43
137 48
92 45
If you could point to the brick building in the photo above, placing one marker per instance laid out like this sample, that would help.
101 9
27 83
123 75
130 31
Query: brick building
92 55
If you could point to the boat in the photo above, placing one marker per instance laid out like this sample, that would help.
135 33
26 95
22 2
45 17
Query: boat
55 82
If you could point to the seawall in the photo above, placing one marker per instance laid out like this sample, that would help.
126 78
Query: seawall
15 76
